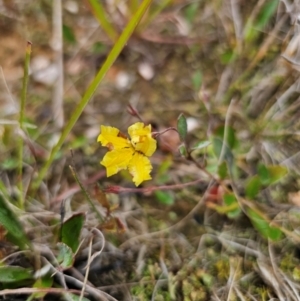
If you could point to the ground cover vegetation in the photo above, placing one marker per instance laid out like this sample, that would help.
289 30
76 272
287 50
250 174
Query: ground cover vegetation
149 150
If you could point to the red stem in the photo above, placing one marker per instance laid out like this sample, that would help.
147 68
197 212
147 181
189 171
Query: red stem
120 189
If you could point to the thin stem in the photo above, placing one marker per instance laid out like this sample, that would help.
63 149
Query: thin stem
87 270
133 112
154 13
119 189
85 193
21 121
99 13
157 134
57 46
133 5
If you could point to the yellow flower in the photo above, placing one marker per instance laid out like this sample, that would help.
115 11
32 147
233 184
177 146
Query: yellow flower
127 153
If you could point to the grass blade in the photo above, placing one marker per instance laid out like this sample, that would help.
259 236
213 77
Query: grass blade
87 197
99 13
154 13
21 120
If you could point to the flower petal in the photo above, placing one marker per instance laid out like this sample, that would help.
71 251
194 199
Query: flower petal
139 129
141 138
145 145
110 136
116 160
140 168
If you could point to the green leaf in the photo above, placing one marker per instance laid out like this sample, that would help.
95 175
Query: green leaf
65 256
182 127
231 201
222 149
30 125
266 13
253 187
182 150
271 174
78 142
259 223
12 224
9 163
9 274
99 48
68 34
275 233
230 135
223 144
164 197
197 80
190 11
254 27
164 166
43 282
228 56
207 279
201 144
71 229
263 174
222 170
276 172
263 227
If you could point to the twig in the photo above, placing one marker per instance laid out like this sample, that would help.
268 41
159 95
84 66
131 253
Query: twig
57 46
76 188
97 294
238 23
29 290
172 40
87 270
120 189
91 259
157 134
85 193
134 112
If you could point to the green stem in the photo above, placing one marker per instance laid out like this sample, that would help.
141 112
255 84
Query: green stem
21 121
114 53
85 193
133 5
154 13
99 13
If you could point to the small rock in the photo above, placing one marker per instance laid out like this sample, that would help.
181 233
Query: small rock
46 76
145 70
122 80
192 123
43 71
39 62
71 7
